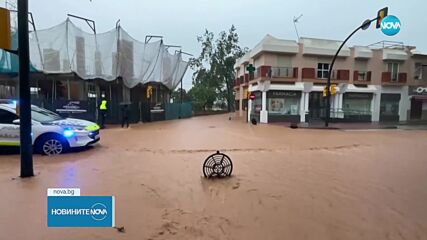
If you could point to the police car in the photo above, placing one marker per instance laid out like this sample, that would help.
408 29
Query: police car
51 133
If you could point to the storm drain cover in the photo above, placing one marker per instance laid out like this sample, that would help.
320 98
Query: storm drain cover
217 165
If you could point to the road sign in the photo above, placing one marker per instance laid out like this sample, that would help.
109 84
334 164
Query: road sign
252 96
5 33
381 15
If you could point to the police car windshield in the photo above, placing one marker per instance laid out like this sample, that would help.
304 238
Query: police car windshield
43 115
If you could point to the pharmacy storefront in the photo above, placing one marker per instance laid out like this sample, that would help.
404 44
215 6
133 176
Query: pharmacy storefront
283 106
277 102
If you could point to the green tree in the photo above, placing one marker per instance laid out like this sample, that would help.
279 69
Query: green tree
214 69
203 93
176 96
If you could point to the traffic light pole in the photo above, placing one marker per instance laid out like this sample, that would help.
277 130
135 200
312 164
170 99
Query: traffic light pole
24 91
365 25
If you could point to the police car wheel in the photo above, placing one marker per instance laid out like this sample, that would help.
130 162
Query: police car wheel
52 145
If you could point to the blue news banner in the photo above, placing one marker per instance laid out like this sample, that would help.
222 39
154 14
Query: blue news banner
80 211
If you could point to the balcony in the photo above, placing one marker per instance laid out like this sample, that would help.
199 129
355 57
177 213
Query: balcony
321 75
361 77
420 77
284 72
262 72
341 75
236 82
389 78
277 73
308 73
244 79
420 73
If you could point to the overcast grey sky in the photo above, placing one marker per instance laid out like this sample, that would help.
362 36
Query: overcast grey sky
181 21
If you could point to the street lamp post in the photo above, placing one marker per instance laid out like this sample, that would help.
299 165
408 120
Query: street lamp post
24 91
180 52
89 22
365 25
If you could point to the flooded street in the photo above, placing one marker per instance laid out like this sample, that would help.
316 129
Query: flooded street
286 184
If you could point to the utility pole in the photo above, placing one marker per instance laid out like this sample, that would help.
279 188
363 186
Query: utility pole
24 91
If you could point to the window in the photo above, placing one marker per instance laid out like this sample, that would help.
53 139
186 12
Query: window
394 69
361 66
34 90
418 71
282 106
322 70
43 115
7 117
361 76
357 104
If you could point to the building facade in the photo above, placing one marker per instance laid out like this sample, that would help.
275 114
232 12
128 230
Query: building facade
386 83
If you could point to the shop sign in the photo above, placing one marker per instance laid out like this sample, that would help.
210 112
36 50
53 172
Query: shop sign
358 95
417 91
280 94
71 106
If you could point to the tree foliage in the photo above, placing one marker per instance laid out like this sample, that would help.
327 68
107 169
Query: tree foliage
176 96
213 76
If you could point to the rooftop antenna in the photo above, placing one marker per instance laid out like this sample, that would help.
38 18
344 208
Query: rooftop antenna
296 19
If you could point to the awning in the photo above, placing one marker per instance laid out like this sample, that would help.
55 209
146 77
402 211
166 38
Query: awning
420 97
275 45
362 52
323 47
395 54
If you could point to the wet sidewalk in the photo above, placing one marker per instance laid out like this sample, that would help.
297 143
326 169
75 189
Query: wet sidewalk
358 126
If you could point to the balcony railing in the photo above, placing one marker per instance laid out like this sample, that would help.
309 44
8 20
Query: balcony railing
282 72
363 76
389 77
322 74
276 72
236 82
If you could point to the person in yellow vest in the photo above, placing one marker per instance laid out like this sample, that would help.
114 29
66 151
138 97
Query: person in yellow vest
103 111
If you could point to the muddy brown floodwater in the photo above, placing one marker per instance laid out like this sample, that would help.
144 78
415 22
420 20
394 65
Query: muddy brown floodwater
286 184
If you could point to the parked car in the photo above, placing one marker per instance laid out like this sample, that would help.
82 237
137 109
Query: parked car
51 133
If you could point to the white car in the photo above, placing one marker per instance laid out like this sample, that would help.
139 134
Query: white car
51 133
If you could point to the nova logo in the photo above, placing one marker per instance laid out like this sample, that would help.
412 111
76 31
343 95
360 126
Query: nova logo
99 212
80 211
421 90
390 25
